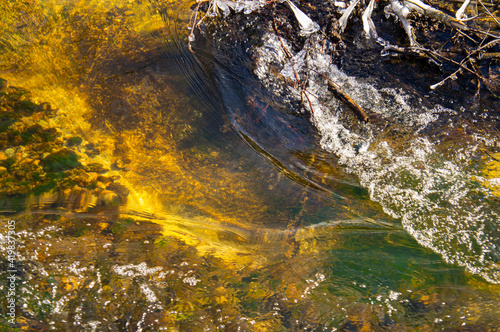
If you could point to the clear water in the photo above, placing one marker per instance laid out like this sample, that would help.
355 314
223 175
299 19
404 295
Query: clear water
441 199
246 211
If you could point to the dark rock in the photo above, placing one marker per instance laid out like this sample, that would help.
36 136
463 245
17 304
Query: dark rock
97 168
61 160
74 141
103 179
3 84
47 108
121 190
90 146
27 105
49 134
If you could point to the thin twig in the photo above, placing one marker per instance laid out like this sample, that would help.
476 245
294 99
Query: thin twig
492 16
344 97
289 57
193 26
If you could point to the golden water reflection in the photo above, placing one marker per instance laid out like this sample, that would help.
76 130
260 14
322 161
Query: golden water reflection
107 75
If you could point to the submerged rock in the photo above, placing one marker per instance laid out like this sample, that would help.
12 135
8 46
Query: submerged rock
74 141
39 168
61 160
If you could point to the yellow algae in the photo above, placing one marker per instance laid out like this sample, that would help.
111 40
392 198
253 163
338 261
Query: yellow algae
492 174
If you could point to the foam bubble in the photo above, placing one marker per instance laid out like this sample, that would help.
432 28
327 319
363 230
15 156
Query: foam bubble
439 199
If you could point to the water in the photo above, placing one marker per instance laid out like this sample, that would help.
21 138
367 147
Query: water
225 205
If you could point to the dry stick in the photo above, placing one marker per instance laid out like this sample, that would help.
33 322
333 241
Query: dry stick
461 65
487 4
466 35
467 58
486 33
342 95
351 102
491 55
490 44
454 75
460 12
490 155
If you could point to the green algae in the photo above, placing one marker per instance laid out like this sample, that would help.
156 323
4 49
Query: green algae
61 160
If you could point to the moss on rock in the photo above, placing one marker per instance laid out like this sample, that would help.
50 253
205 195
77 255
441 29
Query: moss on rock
36 160
61 160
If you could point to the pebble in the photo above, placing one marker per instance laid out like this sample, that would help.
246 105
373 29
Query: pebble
43 123
109 198
3 84
91 176
9 153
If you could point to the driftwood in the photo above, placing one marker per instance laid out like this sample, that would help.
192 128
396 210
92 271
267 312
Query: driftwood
343 97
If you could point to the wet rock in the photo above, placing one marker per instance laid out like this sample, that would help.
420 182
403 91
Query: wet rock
90 146
47 109
92 176
61 160
109 198
96 168
27 105
73 141
35 129
49 134
100 185
5 123
43 123
119 189
121 164
113 176
35 165
44 107
103 179
9 153
3 84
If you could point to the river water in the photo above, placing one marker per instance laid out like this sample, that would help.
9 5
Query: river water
239 207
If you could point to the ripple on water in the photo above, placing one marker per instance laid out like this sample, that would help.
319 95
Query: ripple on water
439 197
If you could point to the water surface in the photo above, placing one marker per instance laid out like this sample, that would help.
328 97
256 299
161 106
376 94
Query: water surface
236 212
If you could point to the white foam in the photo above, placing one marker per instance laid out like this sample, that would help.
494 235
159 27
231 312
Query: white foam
435 196
132 270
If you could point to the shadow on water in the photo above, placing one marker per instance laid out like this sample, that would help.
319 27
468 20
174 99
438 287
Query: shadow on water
197 200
